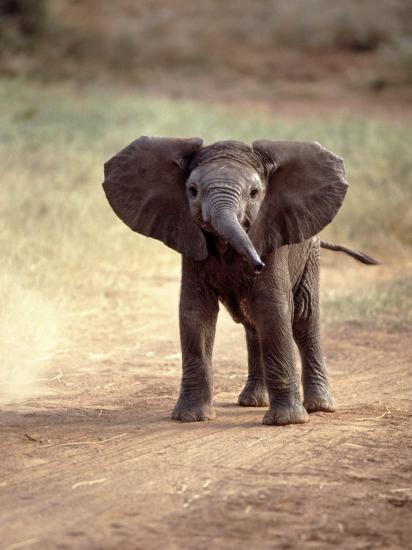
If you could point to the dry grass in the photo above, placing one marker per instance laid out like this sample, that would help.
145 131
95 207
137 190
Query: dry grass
386 303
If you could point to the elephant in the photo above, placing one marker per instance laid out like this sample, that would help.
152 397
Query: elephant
246 221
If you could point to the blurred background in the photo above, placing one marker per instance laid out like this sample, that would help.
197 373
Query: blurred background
244 50
81 79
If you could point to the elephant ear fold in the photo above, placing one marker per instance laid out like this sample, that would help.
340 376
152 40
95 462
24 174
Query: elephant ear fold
145 185
305 188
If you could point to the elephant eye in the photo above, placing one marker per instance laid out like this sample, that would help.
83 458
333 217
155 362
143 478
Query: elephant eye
193 191
254 193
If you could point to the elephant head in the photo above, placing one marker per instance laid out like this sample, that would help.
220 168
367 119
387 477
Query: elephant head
256 198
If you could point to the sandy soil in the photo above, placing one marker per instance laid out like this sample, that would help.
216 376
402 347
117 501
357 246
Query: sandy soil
97 463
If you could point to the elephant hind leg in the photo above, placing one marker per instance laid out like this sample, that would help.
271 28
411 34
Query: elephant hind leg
306 332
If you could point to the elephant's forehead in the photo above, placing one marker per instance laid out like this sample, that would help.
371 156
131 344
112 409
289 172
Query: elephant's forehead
224 171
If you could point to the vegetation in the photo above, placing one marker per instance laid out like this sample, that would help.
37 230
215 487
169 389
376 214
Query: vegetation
360 44
390 302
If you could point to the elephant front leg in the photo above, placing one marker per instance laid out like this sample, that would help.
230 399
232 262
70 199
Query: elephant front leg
254 394
198 314
275 328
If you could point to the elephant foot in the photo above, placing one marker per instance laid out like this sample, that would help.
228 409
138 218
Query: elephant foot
283 414
189 409
319 400
254 394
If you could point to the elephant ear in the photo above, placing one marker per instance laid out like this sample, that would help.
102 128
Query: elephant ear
305 188
145 185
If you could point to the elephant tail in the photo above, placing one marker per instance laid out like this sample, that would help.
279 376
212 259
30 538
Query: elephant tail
360 256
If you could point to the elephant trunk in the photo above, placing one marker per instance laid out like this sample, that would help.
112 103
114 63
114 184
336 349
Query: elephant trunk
227 226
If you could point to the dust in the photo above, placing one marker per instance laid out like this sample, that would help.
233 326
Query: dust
30 334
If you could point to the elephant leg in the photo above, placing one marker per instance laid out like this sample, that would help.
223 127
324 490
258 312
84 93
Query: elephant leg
306 330
273 316
254 394
198 314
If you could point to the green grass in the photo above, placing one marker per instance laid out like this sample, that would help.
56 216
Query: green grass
57 233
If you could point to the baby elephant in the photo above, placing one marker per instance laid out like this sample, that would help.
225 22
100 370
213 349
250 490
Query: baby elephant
245 220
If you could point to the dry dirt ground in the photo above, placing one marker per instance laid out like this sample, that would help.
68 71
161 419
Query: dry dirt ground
95 461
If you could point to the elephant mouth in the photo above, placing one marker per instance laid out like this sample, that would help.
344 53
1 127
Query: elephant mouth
207 228
227 229
246 226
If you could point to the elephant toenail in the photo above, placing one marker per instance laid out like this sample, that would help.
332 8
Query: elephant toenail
187 417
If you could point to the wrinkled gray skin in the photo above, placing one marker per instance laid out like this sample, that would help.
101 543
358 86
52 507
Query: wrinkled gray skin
246 221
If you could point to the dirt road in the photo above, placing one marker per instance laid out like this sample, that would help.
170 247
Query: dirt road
98 463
